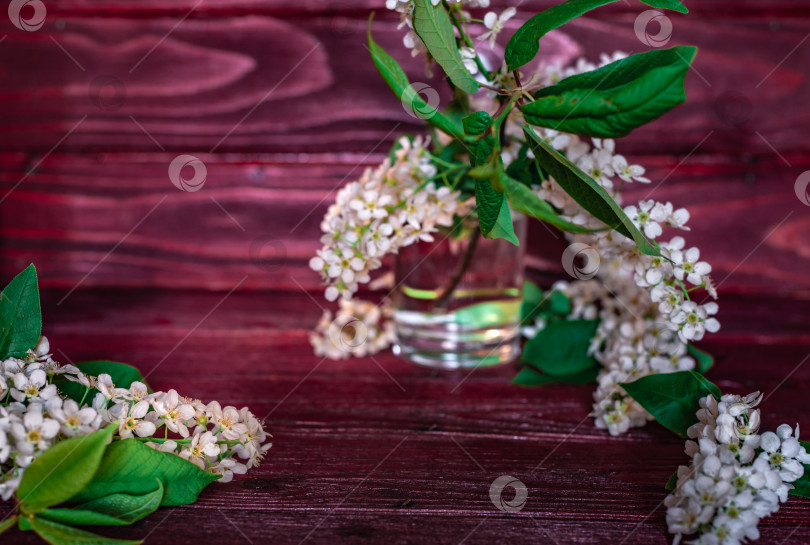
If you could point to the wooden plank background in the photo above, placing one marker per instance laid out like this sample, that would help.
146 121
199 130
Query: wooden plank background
282 104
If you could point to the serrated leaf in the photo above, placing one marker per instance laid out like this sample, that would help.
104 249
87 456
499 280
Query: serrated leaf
122 375
611 101
704 360
396 79
62 470
523 199
524 44
20 315
488 205
494 217
672 398
433 25
130 467
561 348
60 534
477 123
110 510
586 191
531 377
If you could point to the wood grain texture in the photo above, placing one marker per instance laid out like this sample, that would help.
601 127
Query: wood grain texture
209 292
306 84
283 7
376 450
115 219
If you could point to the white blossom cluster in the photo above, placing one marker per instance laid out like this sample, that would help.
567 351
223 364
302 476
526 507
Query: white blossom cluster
644 303
388 208
34 416
737 476
359 328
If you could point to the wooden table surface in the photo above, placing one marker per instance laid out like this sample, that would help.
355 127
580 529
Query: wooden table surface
379 451
209 292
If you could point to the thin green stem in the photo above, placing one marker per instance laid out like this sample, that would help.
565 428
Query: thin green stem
86 391
467 41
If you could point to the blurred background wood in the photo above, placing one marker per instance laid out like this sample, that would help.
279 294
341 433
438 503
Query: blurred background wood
282 104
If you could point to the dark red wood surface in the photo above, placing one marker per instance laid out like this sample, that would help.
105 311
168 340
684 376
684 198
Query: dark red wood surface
375 450
378 451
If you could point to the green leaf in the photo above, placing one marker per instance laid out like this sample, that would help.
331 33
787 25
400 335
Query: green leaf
477 123
130 467
20 316
493 213
561 348
504 228
396 79
62 470
531 377
524 44
59 534
523 199
488 204
481 150
704 360
122 375
8 523
672 482
611 101
524 169
433 25
801 487
672 398
533 298
554 304
585 191
110 510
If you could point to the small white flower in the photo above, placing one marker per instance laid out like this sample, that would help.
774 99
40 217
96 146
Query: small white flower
174 413
227 468
627 172
202 447
646 218
226 420
33 432
495 24
32 387
687 265
75 420
468 58
104 385
135 421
